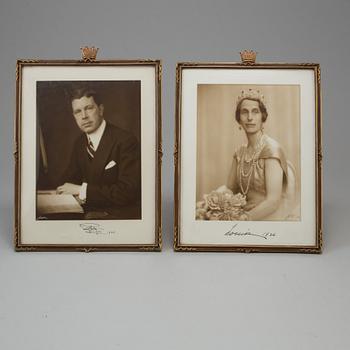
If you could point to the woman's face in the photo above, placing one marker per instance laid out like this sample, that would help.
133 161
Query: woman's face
251 116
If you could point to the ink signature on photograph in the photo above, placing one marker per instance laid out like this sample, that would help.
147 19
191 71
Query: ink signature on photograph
95 229
234 231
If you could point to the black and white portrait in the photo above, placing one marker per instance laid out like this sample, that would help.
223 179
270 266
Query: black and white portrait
248 152
88 150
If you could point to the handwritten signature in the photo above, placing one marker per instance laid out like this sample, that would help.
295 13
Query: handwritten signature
264 235
95 229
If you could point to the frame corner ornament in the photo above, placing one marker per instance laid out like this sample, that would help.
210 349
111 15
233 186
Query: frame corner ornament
176 232
19 247
176 244
177 74
160 238
320 237
160 72
16 237
25 249
27 61
318 75
88 54
17 71
248 57
311 250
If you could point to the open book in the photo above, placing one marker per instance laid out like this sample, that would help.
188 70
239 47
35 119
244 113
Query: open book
48 202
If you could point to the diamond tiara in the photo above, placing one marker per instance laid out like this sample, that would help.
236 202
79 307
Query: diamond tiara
250 94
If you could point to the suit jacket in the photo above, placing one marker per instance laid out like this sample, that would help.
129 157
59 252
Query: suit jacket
113 176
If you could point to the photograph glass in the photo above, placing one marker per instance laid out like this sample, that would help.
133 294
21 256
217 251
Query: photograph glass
251 134
89 136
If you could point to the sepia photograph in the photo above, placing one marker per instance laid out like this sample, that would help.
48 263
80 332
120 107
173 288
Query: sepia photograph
88 155
248 152
248 157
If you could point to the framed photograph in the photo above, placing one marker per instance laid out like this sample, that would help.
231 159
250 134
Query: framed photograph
88 155
248 157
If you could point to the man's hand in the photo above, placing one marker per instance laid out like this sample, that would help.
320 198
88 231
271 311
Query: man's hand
68 188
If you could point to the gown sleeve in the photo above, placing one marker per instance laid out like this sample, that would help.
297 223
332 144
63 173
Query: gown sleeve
238 154
273 150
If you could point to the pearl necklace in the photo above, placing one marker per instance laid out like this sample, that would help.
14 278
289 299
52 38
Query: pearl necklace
253 160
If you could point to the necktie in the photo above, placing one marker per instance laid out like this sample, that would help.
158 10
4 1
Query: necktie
90 149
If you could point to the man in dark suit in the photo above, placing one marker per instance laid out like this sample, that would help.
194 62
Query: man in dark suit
104 172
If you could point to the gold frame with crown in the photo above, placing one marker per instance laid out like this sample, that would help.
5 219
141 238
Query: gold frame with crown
88 59
248 63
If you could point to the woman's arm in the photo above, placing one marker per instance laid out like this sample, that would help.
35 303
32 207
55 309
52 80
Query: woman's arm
273 183
232 178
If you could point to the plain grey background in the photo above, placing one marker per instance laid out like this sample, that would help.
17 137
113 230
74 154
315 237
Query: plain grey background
167 300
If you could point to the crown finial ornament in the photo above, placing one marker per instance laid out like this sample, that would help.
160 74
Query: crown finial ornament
248 56
88 54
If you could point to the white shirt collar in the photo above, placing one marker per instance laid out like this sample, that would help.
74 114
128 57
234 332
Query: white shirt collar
96 136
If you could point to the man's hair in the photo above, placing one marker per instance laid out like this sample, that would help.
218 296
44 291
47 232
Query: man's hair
79 91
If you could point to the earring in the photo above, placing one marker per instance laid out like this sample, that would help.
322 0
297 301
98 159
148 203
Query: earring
240 128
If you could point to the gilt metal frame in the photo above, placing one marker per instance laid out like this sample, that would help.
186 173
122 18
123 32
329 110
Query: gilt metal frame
88 59
248 62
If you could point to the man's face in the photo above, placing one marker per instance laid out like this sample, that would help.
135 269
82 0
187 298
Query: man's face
87 114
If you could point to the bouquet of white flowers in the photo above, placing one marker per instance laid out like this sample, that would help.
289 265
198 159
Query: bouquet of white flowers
221 204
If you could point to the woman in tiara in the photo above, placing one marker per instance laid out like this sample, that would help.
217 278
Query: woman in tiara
260 170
